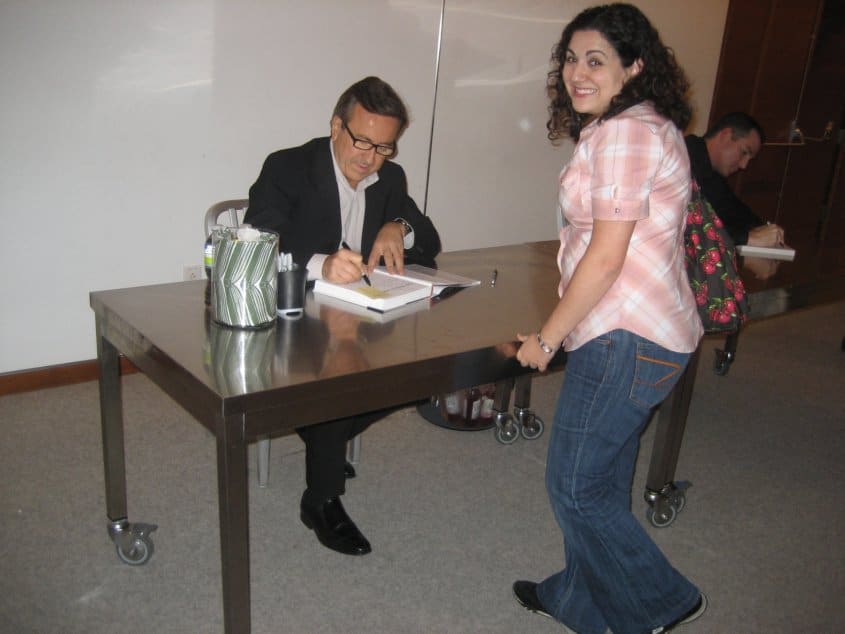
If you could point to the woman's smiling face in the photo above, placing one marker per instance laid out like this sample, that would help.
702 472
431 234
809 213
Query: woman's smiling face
593 73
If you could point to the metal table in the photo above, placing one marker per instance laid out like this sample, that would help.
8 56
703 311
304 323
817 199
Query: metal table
243 385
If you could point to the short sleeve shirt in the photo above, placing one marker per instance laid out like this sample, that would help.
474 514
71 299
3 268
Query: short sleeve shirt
633 166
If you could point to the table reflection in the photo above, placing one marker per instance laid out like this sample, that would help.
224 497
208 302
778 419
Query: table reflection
326 341
344 350
239 359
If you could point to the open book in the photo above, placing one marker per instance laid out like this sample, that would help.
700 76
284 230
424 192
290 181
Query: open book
389 291
773 253
386 293
437 280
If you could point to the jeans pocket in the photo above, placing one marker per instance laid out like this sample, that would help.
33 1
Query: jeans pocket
657 370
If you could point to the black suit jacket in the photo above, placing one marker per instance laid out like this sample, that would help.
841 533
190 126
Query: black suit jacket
735 214
296 196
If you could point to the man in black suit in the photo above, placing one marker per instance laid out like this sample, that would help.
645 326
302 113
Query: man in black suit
729 146
341 207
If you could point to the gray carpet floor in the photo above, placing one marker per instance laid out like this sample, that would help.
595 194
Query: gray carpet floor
454 517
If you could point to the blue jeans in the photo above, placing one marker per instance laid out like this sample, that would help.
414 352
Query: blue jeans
615 575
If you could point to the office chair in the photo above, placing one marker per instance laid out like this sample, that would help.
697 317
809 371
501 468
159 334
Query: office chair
230 213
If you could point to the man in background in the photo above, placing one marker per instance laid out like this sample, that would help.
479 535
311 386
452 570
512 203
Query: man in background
341 207
727 147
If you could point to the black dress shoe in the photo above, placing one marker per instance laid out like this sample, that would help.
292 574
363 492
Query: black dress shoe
526 595
334 528
349 470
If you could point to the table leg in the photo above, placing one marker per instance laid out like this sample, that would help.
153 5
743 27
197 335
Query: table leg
234 522
530 425
111 420
725 357
132 541
665 497
506 429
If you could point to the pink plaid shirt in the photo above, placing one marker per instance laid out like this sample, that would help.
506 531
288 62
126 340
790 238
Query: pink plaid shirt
633 166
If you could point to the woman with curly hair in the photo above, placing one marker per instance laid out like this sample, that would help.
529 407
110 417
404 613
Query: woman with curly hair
626 318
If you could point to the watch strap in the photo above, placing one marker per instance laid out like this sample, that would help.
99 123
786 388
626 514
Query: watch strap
405 224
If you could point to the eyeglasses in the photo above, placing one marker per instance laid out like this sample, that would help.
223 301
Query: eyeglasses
363 144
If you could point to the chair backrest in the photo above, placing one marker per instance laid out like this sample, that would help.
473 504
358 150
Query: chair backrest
227 212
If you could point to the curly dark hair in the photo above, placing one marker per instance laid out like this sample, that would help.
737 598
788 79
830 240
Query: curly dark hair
661 80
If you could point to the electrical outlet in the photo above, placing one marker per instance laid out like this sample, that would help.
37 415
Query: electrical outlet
193 272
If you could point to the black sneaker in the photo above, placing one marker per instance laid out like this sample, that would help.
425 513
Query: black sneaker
526 595
696 611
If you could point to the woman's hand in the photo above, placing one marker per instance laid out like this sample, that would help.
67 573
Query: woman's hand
596 272
531 355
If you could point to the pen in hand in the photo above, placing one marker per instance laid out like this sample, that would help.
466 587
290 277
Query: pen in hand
363 275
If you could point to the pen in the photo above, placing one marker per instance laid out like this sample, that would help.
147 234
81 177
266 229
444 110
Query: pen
363 275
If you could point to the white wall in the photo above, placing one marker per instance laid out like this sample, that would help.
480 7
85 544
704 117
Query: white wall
121 122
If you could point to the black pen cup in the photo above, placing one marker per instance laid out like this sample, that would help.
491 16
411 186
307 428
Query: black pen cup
291 292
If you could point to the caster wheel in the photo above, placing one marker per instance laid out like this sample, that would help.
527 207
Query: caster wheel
533 428
507 435
678 500
138 554
663 518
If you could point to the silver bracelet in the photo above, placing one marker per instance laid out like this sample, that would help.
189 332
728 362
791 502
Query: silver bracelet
544 346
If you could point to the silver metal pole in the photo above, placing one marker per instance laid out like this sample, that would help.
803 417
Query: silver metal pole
434 104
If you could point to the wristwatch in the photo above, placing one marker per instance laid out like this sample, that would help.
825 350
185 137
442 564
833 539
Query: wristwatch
405 224
544 346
